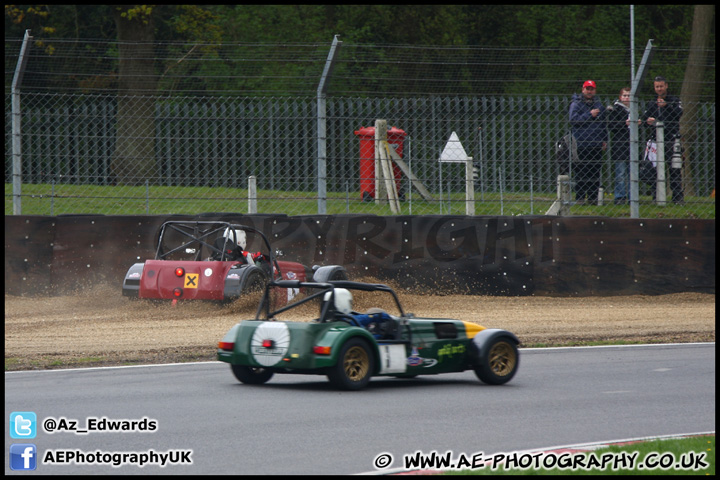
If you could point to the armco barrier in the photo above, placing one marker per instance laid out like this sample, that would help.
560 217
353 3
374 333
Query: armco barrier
537 255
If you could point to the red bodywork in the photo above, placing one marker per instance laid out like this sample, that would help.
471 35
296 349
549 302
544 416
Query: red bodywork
203 280
207 260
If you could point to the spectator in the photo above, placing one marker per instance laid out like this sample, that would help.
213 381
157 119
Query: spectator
587 120
618 120
668 109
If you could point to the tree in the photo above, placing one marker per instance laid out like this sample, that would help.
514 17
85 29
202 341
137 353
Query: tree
703 20
134 156
136 74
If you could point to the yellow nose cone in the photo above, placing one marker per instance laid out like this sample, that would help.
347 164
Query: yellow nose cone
471 329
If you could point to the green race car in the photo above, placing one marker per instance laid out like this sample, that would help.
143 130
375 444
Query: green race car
350 347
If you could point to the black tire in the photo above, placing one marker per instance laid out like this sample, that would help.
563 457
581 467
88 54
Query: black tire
255 283
250 292
499 363
339 274
354 367
329 274
252 375
263 264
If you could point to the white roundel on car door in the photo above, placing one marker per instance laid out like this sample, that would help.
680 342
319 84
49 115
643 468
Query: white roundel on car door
270 343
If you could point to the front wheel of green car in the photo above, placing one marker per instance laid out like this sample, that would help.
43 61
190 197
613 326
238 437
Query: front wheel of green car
500 362
354 367
251 375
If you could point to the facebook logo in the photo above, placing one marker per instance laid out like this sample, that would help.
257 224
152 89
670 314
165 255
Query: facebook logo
23 425
23 456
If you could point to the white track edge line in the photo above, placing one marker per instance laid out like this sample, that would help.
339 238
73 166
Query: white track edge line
216 361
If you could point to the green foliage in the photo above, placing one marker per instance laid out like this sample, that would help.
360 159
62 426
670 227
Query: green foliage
139 13
191 32
475 25
195 23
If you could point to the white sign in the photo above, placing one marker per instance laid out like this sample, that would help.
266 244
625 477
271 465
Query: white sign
454 151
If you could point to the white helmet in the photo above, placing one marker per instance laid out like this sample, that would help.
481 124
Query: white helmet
240 237
343 300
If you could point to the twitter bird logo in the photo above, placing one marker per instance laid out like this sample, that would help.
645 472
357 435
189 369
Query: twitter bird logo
23 425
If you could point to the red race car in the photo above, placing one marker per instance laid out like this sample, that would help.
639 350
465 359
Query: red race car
208 260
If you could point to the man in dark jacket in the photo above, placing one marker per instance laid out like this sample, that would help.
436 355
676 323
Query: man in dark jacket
618 121
668 109
587 120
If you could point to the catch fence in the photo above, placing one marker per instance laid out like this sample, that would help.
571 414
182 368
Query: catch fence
93 150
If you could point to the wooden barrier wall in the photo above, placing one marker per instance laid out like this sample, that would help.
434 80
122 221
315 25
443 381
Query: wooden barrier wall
528 255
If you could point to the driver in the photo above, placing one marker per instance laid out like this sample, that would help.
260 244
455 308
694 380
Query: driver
237 252
373 320
342 301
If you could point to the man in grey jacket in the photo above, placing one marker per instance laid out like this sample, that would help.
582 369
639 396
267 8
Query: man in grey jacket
587 121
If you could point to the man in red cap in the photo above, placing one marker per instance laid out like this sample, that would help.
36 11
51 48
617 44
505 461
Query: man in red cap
587 120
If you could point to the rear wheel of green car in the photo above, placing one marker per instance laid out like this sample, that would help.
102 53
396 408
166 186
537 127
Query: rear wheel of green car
354 367
500 362
252 375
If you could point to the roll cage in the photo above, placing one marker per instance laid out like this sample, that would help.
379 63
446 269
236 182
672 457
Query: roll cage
317 290
197 238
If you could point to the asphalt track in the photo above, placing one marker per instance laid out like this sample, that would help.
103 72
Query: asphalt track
300 425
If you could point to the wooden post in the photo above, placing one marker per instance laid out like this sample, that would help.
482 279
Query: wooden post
380 135
385 155
406 170
381 153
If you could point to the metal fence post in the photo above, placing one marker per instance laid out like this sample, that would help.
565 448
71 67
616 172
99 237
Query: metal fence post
252 194
469 186
17 125
322 127
561 205
634 140
661 190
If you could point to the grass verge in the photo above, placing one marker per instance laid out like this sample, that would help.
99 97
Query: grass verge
46 199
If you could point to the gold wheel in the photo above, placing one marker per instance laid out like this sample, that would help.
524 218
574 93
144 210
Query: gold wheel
502 359
354 367
356 363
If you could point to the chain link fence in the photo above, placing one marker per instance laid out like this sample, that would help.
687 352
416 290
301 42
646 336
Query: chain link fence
247 129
